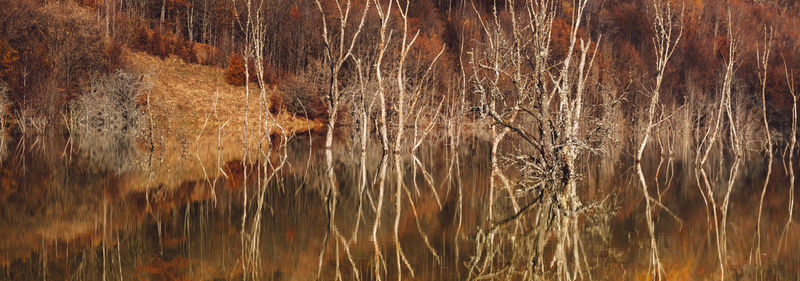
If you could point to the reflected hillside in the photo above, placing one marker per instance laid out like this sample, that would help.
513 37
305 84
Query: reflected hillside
65 219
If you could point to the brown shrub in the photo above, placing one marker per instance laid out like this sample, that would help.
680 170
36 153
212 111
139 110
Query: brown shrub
234 74
158 45
151 41
163 44
183 48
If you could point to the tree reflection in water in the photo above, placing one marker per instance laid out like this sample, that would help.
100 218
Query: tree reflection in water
65 220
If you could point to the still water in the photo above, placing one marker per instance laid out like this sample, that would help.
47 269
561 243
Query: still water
126 212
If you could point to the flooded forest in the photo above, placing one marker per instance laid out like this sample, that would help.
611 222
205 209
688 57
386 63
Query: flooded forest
399 139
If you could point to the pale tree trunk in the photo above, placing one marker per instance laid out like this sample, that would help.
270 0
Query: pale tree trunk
763 63
735 143
190 21
177 25
552 136
398 163
791 148
205 22
378 211
405 47
336 57
665 44
407 99
255 30
163 11
496 137
365 112
707 144
383 45
108 4
246 55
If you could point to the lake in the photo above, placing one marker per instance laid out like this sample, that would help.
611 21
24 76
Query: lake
182 212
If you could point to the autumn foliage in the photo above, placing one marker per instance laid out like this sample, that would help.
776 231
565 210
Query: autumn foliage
49 52
163 44
235 73
8 57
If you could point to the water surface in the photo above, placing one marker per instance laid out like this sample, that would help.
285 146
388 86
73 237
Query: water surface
127 212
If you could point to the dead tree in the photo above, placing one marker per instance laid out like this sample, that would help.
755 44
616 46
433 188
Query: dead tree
525 93
667 37
762 58
386 37
338 49
709 141
254 27
736 142
408 100
791 145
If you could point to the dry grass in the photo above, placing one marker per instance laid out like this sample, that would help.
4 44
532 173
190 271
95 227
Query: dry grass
186 135
184 94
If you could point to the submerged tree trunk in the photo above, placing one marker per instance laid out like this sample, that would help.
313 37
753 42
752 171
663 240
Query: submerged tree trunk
336 56
763 62
664 46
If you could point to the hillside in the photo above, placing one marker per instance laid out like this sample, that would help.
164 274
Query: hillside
184 96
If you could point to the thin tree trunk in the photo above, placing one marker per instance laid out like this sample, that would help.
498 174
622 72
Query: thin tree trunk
190 21
763 62
163 10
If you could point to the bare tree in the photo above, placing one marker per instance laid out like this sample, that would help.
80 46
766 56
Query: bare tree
382 47
736 142
709 141
109 7
108 120
790 149
205 26
190 20
665 41
255 29
247 53
408 98
762 58
338 49
524 91
407 101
